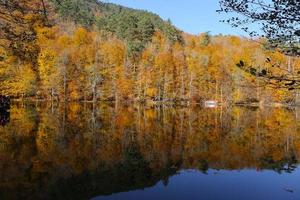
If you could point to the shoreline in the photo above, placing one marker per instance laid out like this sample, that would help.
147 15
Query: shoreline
163 103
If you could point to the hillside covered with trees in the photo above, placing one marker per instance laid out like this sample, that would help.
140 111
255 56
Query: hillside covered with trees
87 50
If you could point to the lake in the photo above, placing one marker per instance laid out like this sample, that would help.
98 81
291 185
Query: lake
75 151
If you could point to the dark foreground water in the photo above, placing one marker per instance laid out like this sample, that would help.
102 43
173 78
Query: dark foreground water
76 152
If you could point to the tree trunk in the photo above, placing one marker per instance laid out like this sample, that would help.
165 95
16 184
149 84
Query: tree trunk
221 94
191 86
65 87
297 97
216 92
182 85
94 92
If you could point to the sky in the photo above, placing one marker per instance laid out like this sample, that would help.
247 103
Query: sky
191 16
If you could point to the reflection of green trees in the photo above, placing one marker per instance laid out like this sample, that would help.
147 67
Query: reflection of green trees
60 150
130 174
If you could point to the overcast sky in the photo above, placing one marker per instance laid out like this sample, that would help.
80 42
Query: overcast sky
192 16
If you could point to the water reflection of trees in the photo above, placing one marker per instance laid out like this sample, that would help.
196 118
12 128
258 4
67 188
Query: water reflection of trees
74 151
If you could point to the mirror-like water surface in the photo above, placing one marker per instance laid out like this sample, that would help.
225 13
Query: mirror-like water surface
75 152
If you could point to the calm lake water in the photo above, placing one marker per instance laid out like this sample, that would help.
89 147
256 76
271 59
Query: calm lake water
75 152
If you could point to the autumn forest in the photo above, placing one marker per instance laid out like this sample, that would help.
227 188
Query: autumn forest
92 51
105 102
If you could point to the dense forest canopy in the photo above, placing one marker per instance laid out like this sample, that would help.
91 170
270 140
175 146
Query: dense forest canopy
18 20
71 50
136 27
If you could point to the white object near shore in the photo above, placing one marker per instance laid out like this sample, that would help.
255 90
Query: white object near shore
211 104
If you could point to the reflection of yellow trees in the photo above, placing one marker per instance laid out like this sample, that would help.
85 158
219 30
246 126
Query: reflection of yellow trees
22 123
16 146
65 140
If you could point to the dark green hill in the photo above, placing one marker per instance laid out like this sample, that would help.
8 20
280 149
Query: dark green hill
136 27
